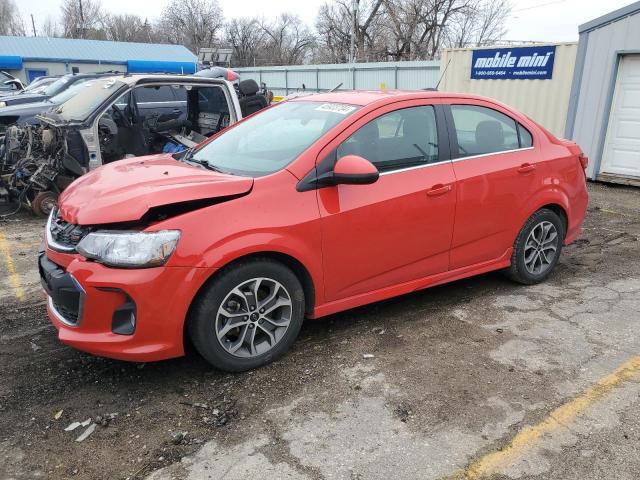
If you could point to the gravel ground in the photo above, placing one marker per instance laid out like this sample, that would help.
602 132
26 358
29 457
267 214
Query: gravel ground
463 379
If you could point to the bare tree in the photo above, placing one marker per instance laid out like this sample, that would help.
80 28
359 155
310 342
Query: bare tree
406 29
336 22
482 22
287 41
247 38
126 28
192 23
83 19
50 28
11 22
418 27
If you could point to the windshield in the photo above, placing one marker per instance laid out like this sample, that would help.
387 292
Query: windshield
38 85
89 96
57 86
270 140
69 92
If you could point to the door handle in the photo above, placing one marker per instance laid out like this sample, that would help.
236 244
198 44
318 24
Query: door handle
526 168
438 189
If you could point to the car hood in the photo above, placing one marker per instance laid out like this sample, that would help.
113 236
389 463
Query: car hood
28 109
125 190
23 98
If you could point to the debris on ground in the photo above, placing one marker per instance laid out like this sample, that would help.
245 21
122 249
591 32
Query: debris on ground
221 412
58 415
196 405
368 355
403 412
90 429
178 438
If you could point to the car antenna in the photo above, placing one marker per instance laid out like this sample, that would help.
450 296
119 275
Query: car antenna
441 76
336 87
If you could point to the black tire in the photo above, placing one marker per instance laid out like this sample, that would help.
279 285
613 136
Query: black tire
202 321
43 203
518 270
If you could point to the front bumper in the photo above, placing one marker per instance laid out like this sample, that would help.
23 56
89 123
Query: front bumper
83 299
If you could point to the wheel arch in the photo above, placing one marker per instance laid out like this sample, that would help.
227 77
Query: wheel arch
560 211
296 266
555 200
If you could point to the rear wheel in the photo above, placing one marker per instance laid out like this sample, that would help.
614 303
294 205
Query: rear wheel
537 248
248 316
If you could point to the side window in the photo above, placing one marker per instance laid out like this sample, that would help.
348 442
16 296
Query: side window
180 93
163 93
400 139
526 140
120 105
483 130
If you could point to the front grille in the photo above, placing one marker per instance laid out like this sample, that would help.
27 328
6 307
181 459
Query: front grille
66 234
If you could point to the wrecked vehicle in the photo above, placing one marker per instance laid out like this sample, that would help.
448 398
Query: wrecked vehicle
10 84
57 86
113 118
26 113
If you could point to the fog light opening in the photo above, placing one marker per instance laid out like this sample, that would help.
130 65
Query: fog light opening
123 321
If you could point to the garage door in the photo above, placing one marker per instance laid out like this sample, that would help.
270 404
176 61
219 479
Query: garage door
622 145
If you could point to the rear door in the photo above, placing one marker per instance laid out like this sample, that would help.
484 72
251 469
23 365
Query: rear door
399 228
497 171
157 100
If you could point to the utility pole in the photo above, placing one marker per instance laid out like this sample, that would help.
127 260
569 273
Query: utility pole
354 27
33 24
81 20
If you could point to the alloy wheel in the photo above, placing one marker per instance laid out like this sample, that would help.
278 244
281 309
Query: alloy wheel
541 247
253 317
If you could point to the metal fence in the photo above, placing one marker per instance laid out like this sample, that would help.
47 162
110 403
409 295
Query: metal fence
361 76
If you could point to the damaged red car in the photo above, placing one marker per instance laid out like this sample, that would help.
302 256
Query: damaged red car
317 205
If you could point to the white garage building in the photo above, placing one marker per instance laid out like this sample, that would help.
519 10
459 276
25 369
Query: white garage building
604 106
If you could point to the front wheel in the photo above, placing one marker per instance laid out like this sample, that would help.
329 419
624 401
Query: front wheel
248 316
537 248
43 203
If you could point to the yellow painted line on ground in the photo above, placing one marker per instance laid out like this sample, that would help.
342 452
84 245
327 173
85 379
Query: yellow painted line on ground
558 418
606 210
14 278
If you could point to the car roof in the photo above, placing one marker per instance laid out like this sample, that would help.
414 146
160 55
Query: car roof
367 97
134 79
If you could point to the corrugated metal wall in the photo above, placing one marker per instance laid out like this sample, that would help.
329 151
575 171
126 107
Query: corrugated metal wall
546 101
361 76
597 83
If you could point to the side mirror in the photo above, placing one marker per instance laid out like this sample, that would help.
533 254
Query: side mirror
354 170
348 170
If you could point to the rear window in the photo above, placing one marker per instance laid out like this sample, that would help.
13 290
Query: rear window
482 130
163 93
526 140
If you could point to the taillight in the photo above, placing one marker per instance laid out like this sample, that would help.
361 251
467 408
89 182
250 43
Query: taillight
232 76
584 161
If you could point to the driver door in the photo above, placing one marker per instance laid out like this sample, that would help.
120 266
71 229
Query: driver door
399 228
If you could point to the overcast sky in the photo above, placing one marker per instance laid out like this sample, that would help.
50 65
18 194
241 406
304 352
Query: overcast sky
541 20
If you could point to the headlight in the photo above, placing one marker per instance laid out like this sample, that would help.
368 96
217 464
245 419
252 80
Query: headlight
3 104
129 249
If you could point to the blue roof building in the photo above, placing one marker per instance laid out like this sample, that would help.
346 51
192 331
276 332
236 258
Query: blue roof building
31 57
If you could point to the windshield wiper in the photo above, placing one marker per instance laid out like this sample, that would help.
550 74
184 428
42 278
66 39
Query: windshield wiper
204 163
187 156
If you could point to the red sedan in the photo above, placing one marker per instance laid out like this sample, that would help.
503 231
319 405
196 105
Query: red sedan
316 205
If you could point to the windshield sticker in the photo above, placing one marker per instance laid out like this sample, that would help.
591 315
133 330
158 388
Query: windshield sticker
340 108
